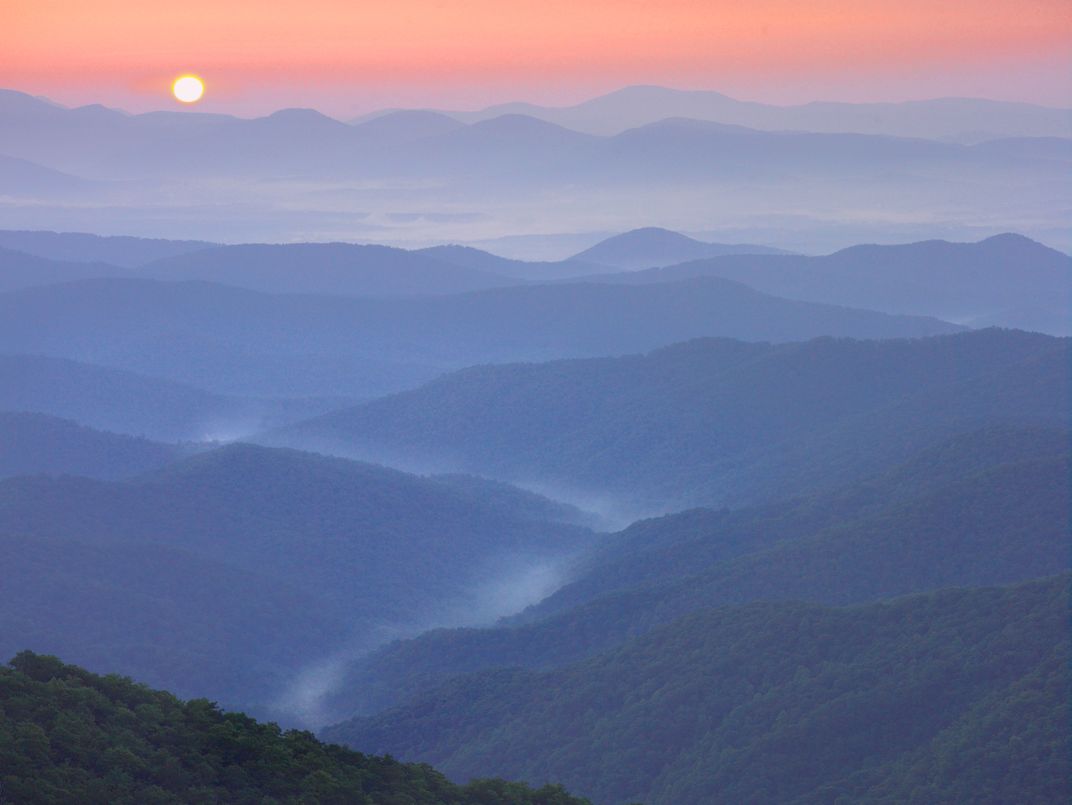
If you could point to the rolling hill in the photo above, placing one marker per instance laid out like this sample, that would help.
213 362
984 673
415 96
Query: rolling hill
235 341
353 553
126 402
708 421
536 270
21 270
988 507
325 268
79 247
33 444
960 695
1006 280
653 246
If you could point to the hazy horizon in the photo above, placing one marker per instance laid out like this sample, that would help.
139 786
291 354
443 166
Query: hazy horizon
348 59
1062 102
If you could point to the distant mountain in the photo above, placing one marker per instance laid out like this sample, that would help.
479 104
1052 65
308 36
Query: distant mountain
236 341
965 119
1006 280
363 551
21 270
112 144
125 402
518 269
174 751
417 178
904 531
709 421
406 124
864 704
519 149
32 444
77 247
325 268
652 246
21 178
164 615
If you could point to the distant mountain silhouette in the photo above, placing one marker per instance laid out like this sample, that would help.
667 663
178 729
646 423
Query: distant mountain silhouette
653 246
33 444
1006 280
77 247
406 124
235 341
469 257
21 178
418 178
325 268
124 402
21 270
942 118
499 147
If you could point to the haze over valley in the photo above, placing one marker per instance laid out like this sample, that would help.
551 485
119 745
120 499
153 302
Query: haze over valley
535 404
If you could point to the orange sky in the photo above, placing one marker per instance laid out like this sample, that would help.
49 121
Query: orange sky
347 56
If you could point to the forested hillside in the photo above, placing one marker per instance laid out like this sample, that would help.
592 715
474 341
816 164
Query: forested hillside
989 508
709 421
958 696
68 736
244 565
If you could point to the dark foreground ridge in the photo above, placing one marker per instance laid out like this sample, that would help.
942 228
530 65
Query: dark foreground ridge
67 735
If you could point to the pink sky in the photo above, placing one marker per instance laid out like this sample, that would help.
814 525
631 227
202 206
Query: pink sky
350 56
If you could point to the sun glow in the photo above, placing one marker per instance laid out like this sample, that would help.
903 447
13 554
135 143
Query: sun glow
188 88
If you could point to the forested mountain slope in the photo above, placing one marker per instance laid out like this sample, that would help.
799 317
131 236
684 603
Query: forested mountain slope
708 421
954 696
988 508
67 735
315 555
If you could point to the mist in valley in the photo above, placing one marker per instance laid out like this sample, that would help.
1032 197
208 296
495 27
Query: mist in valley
669 445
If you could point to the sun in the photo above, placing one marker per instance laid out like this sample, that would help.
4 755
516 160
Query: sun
188 88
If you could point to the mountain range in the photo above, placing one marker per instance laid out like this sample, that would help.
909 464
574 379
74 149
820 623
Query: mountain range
1006 280
963 119
240 342
424 178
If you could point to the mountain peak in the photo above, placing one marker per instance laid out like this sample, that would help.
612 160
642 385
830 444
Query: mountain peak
653 246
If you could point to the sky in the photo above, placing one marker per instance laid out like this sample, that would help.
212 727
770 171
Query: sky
347 57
